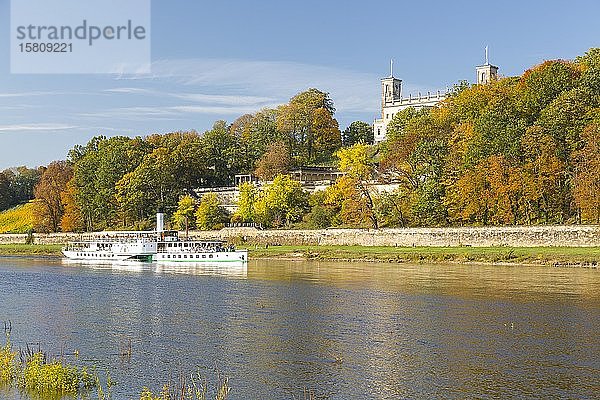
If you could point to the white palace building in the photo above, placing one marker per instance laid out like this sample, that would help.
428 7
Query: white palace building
392 100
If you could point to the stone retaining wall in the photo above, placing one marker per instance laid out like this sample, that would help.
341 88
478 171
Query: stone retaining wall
530 236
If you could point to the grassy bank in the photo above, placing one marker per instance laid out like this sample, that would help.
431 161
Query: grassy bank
576 256
31 249
515 255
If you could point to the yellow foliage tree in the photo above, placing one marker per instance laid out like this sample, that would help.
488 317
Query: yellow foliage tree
587 178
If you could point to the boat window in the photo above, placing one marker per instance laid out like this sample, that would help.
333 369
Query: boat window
210 256
203 255
197 255
185 256
180 256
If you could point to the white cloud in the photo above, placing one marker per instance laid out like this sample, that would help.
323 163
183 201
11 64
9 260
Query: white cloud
26 94
130 90
35 127
218 110
271 81
234 100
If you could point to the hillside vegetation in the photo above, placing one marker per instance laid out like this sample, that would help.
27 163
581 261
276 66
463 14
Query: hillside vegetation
520 150
17 220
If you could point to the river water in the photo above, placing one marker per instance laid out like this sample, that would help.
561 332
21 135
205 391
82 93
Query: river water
336 330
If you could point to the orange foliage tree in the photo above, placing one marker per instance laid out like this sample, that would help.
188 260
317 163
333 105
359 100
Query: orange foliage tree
72 219
48 206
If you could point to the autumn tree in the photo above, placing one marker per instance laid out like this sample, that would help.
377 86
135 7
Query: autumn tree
48 206
356 161
488 194
72 220
347 204
210 214
542 178
183 218
276 161
312 131
587 178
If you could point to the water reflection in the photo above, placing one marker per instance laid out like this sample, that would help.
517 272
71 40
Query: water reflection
234 271
347 331
126 266
451 279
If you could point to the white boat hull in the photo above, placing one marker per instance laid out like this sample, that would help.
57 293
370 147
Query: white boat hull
104 256
214 258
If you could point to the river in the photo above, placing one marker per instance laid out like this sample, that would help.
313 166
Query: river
337 330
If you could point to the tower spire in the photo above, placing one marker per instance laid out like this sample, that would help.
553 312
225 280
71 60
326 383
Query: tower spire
487 58
391 67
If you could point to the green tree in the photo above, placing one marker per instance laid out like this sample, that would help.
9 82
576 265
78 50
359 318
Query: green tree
257 134
21 182
210 214
281 203
97 168
219 145
246 201
6 196
152 185
395 128
357 132
540 85
395 208
321 215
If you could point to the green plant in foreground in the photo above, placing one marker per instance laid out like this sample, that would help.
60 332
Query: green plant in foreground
8 363
54 377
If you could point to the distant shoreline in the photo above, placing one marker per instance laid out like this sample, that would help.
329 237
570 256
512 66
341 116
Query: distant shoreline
588 257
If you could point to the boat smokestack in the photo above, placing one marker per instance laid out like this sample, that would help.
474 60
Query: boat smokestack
160 222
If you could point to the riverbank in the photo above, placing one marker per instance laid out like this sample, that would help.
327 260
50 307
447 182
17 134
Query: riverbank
30 249
550 256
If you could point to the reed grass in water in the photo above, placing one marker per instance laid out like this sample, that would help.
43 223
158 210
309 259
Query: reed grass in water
40 378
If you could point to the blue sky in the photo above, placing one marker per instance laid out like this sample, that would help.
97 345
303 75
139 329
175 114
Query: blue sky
219 60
